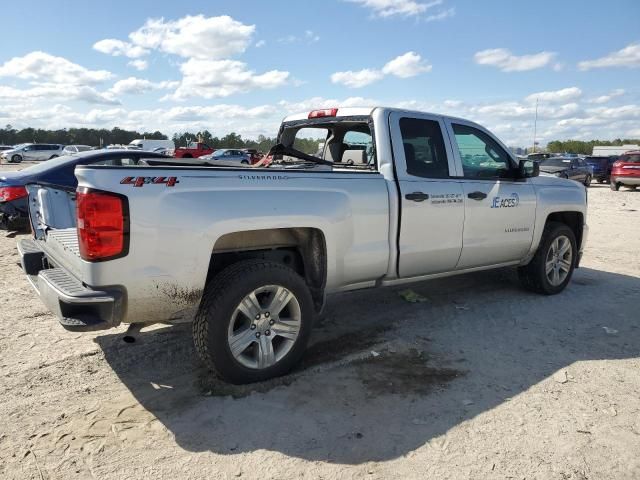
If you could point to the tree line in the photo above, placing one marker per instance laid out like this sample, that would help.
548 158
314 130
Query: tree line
118 136
586 147
233 140
74 136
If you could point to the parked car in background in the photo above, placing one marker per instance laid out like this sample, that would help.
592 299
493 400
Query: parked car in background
6 147
73 149
625 172
538 157
32 151
59 171
193 150
152 145
573 168
601 166
228 155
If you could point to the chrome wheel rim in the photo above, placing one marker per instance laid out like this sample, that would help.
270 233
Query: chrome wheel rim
558 261
264 327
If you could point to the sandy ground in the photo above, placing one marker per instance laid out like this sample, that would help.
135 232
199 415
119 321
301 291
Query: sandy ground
484 380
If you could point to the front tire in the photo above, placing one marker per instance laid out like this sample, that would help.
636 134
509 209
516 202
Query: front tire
254 321
587 181
16 159
552 266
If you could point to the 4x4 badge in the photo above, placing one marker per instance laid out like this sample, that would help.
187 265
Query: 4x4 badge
141 181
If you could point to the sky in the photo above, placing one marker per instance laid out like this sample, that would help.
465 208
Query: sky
244 65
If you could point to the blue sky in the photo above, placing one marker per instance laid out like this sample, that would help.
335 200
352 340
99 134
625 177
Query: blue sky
243 65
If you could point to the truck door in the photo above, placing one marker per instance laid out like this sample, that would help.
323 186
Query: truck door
499 209
431 203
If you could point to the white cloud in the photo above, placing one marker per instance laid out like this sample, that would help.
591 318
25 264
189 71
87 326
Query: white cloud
308 37
357 79
556 96
403 66
608 97
405 8
139 65
260 43
117 48
138 86
503 59
56 92
40 66
195 36
628 57
408 65
221 78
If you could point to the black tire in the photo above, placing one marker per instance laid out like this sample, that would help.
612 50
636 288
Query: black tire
16 158
53 156
587 181
533 276
615 186
244 162
632 187
223 295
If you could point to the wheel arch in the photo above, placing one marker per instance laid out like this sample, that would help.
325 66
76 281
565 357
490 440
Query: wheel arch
302 249
574 220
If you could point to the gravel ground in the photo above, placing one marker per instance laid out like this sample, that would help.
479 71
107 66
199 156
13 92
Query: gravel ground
482 380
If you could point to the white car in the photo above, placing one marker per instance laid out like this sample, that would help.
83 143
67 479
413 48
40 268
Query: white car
74 149
254 251
32 151
152 145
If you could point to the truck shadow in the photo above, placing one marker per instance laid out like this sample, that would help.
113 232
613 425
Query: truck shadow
383 376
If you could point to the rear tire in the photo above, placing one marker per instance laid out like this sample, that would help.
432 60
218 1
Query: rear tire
551 268
253 286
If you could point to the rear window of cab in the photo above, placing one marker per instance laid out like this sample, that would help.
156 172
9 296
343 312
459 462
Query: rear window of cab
634 158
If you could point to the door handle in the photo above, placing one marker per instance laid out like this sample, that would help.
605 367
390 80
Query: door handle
477 195
417 196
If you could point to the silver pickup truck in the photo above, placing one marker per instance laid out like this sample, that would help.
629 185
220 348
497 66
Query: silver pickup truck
394 196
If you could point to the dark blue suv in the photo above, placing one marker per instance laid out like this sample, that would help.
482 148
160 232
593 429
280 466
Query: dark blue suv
601 167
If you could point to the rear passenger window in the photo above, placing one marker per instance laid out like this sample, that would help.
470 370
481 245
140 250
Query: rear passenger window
424 149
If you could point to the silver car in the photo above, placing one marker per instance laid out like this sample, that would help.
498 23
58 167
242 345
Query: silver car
228 155
32 151
73 149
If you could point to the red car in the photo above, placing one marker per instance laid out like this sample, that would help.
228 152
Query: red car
625 172
194 150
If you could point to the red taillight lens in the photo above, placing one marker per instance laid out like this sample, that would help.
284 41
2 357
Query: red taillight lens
326 112
12 193
616 164
102 225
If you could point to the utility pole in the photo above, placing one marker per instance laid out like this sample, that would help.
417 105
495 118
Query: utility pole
535 127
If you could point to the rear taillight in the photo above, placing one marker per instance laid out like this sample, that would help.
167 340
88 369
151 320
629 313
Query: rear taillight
325 112
616 164
103 225
8 194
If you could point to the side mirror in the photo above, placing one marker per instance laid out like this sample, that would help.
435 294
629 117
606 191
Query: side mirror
528 168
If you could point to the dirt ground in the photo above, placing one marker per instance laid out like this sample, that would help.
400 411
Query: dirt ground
483 380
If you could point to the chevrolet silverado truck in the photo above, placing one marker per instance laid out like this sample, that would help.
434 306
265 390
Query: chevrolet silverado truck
250 254
193 150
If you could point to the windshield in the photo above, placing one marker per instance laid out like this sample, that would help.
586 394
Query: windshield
556 162
83 148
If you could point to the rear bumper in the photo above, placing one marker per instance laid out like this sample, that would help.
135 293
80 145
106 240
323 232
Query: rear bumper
78 307
626 180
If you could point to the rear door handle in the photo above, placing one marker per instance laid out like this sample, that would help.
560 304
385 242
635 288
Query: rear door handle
417 196
477 195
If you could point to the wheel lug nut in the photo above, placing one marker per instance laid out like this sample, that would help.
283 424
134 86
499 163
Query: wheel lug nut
257 334
267 314
258 317
271 322
267 333
253 326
